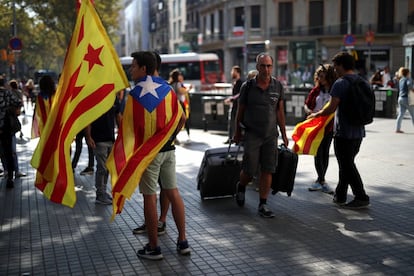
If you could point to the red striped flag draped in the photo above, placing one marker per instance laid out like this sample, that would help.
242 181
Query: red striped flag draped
42 110
308 134
151 116
91 77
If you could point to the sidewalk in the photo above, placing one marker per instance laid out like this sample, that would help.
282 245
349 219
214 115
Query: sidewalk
308 236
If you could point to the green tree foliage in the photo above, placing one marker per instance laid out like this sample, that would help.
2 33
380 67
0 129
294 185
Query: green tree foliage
45 27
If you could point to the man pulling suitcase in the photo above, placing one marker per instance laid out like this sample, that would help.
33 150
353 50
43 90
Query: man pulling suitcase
260 110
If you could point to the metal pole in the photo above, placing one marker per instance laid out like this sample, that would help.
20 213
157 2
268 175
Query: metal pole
245 38
16 58
349 30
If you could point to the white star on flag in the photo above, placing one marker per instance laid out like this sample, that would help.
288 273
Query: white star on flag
148 86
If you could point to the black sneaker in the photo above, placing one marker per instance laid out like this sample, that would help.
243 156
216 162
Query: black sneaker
143 229
356 204
20 174
87 171
161 228
337 202
265 212
140 229
151 254
183 248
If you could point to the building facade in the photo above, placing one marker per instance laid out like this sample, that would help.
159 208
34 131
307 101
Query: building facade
136 26
300 34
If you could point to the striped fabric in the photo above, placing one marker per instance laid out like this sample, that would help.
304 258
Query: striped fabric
91 77
308 134
151 116
42 110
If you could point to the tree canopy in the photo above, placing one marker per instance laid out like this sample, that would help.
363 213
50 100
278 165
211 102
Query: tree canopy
45 28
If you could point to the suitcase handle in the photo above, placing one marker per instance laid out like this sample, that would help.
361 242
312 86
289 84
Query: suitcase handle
228 156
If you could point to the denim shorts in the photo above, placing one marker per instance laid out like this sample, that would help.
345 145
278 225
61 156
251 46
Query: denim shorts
259 153
162 168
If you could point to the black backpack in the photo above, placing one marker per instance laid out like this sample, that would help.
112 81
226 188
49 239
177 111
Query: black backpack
359 107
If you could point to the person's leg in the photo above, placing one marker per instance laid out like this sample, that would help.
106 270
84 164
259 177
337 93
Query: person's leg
326 145
322 158
151 218
2 157
91 160
168 176
148 187
164 205
250 161
268 163
344 155
6 139
403 107
411 110
178 211
355 180
78 149
265 184
100 152
108 149
15 161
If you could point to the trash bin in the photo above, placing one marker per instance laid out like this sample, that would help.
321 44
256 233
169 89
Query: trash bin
386 100
215 113
294 102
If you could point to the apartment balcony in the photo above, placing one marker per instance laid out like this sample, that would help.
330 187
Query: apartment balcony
341 29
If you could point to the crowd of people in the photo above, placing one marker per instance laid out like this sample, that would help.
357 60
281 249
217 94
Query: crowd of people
257 120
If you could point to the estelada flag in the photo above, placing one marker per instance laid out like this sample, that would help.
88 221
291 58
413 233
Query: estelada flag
151 116
308 134
91 77
40 114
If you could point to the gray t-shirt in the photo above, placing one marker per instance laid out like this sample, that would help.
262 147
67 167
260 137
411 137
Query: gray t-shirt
260 113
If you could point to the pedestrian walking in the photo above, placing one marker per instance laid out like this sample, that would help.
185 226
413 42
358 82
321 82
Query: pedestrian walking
259 113
100 136
347 137
405 84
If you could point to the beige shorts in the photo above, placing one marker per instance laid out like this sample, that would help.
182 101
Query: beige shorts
161 169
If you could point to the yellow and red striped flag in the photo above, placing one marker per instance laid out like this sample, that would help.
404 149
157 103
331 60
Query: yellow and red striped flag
151 116
91 77
308 134
41 113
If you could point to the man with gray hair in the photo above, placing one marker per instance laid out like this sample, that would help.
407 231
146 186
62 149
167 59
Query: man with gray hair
259 113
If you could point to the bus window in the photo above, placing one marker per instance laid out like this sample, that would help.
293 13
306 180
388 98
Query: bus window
201 70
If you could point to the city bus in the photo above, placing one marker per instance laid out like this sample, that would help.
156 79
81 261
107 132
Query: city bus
203 70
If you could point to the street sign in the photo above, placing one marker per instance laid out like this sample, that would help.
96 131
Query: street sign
349 40
15 44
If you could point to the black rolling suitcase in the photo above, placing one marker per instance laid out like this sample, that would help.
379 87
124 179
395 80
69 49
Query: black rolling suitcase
219 172
284 177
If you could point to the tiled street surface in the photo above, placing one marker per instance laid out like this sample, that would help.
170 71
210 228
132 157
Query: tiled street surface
308 236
